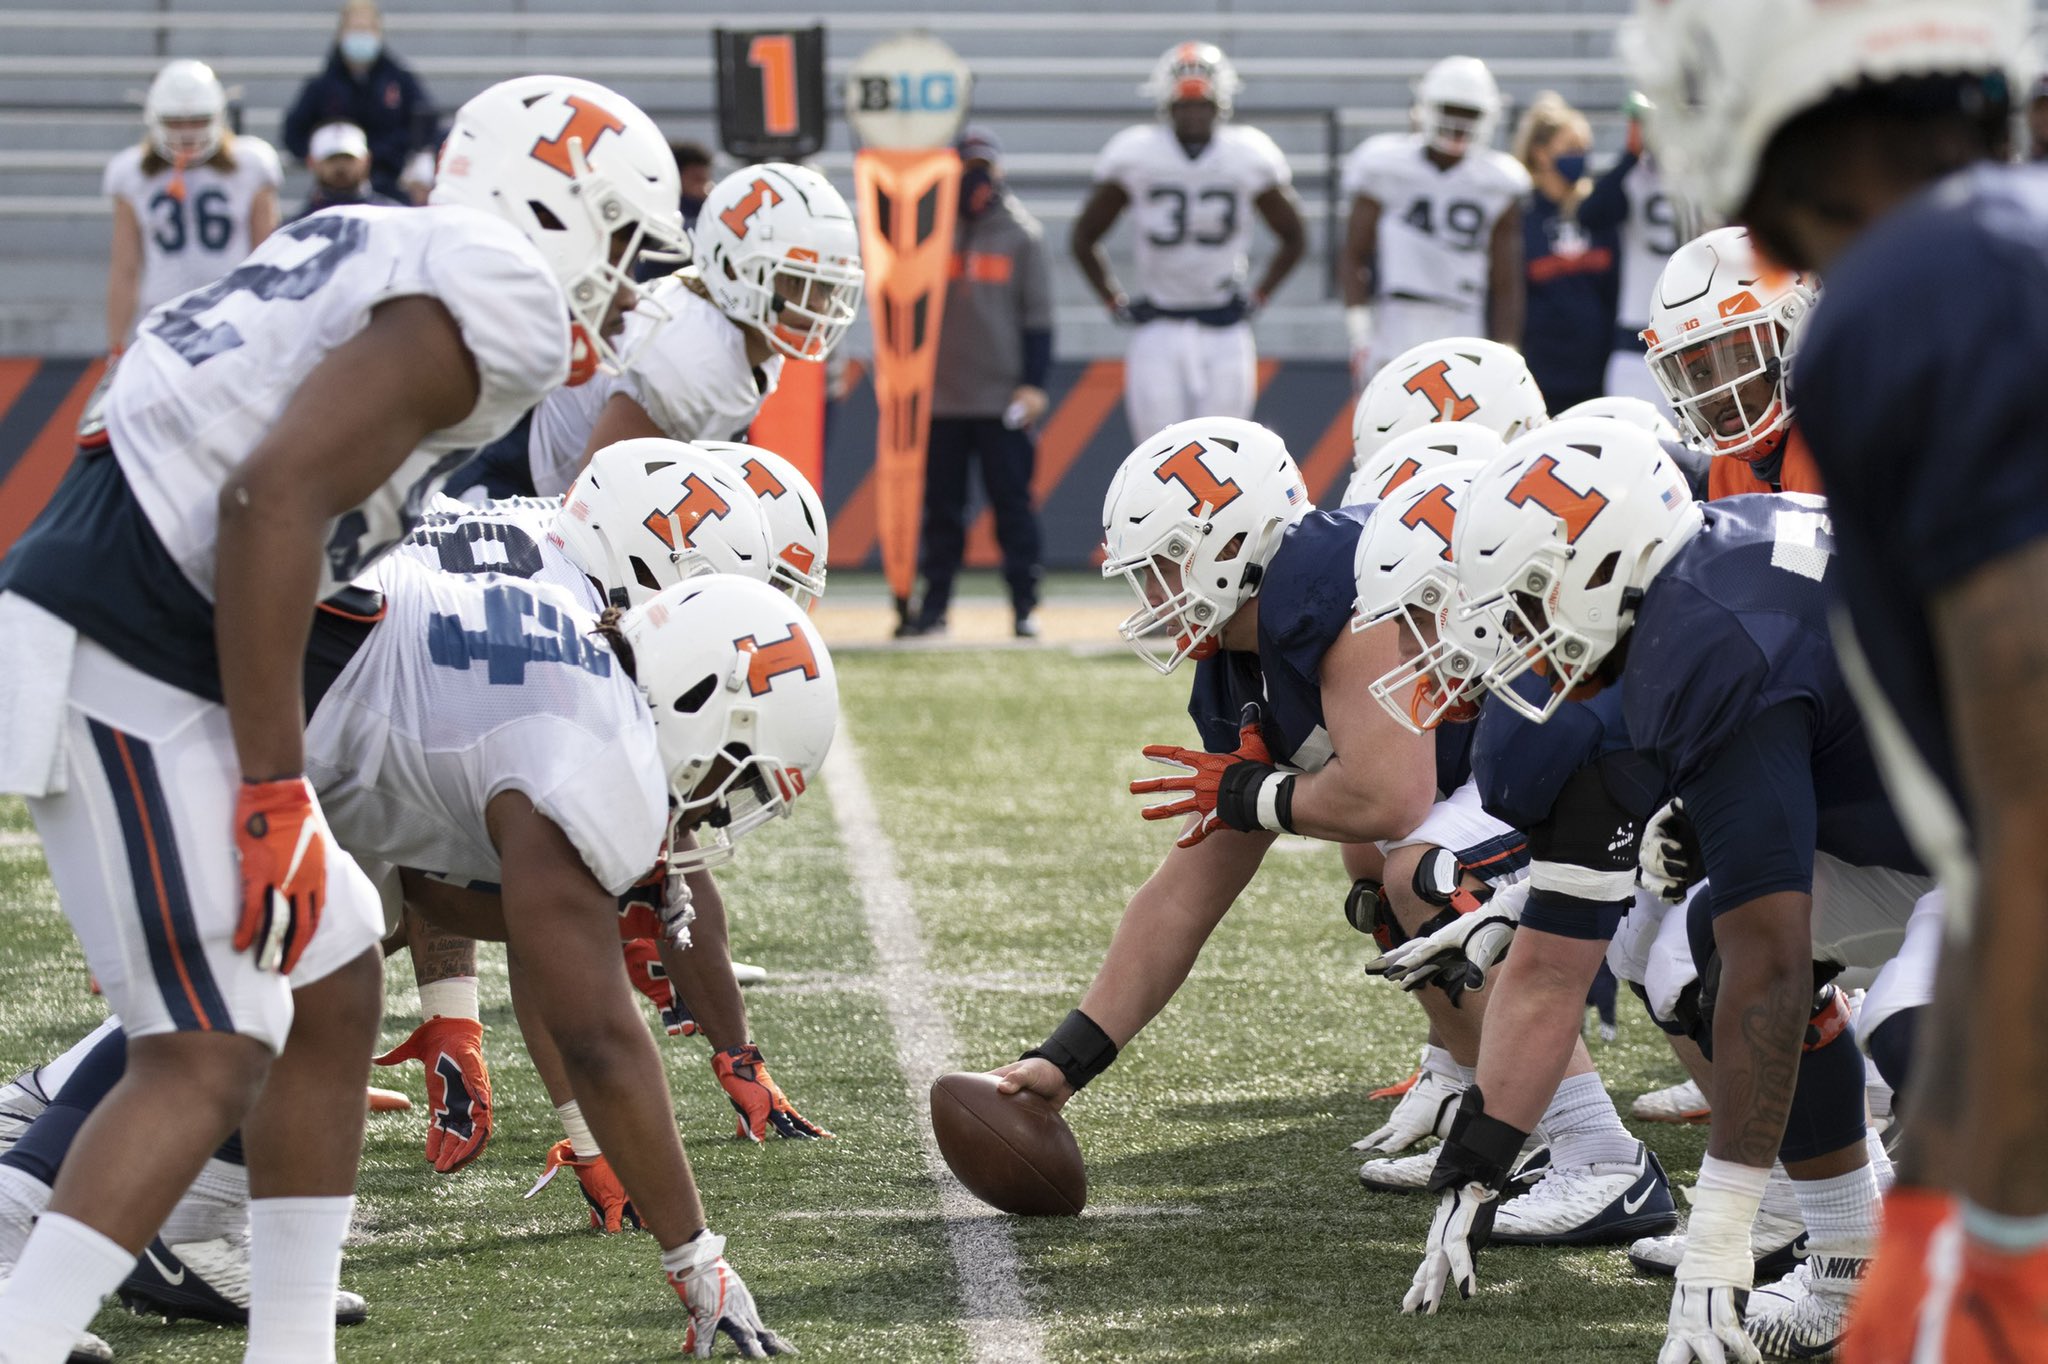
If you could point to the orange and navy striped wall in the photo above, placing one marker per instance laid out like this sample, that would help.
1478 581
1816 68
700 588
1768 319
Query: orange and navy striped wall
1081 441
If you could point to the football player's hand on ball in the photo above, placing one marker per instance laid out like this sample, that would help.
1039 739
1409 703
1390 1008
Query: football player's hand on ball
1706 1327
756 1097
458 1088
610 1209
717 1300
1035 1075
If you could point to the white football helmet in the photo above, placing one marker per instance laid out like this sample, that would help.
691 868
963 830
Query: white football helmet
1640 413
1193 71
1456 379
1726 75
1420 451
778 251
1723 326
1556 541
1191 521
573 166
648 513
796 517
186 91
1457 104
1403 570
745 704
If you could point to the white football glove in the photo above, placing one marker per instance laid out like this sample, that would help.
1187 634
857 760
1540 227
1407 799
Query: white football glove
717 1300
1669 859
1425 1110
1706 1327
1463 1214
1458 955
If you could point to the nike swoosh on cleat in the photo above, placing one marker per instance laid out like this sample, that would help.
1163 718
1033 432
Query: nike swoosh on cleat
172 1279
1630 1205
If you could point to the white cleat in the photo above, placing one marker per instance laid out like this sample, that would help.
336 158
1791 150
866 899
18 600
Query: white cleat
746 973
1777 1239
1400 1174
22 1101
1679 1103
207 1281
1606 1204
1803 1315
1423 1112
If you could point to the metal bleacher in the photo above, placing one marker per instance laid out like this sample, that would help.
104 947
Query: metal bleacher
1054 84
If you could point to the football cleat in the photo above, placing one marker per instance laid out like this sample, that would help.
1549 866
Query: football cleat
89 1349
1683 1102
746 973
207 1281
22 1101
1424 1111
1399 1174
1804 1314
1603 1204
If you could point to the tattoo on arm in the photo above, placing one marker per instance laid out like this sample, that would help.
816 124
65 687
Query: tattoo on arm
437 955
1755 1077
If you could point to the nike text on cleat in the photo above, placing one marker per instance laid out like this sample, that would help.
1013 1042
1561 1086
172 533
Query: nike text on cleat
1401 1174
1803 1315
1604 1204
1777 1242
207 1281
1683 1102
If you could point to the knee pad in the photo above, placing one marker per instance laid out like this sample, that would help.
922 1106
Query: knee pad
1827 1097
1890 1046
1366 909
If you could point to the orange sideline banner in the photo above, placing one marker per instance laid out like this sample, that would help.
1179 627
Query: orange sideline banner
792 421
908 199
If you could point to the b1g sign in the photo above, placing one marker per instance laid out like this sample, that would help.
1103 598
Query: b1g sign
771 92
909 91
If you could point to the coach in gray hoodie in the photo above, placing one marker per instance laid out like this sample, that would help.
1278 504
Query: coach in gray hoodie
995 347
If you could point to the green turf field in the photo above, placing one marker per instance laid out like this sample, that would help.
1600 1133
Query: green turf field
1227 1222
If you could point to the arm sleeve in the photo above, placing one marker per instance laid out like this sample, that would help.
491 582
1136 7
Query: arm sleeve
1754 808
1037 355
1607 205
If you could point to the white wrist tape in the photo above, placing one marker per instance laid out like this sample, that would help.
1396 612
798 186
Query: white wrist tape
1269 802
1358 326
1724 1205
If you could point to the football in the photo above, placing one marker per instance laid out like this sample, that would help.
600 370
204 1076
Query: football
1012 1151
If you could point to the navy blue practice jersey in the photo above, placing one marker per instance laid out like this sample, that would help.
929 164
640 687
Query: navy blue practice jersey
1305 606
1732 686
1920 387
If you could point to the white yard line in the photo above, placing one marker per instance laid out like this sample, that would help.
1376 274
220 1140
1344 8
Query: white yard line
1000 1327
19 838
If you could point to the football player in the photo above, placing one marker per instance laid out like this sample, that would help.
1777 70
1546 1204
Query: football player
1433 246
1455 379
1193 181
777 277
190 200
1918 390
265 440
1586 548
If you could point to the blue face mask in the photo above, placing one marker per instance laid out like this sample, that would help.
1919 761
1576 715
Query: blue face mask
361 47
1573 167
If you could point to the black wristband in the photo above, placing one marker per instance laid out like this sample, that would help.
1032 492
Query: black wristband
1079 1047
1237 798
1480 1150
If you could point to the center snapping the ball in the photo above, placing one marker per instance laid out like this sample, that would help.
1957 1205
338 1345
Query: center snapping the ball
1012 1151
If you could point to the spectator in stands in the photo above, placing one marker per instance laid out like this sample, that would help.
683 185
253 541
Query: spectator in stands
990 389
1650 223
365 85
1570 264
190 200
339 158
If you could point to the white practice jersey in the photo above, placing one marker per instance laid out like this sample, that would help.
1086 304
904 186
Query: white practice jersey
691 377
210 372
192 240
472 686
1192 214
512 536
1435 226
1658 224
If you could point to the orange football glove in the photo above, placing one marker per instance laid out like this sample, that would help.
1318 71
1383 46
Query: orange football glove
757 1098
458 1088
644 968
2000 1313
282 843
1885 1319
610 1209
1205 780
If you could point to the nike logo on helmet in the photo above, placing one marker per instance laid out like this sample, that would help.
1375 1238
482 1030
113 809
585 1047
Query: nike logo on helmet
173 1279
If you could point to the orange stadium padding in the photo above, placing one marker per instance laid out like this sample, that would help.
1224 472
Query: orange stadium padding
34 476
792 421
907 203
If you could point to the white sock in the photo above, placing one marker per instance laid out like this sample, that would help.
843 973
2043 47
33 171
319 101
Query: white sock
1780 1198
22 1200
51 1075
1583 1126
294 1271
1437 1061
577 1130
1880 1160
216 1205
455 997
1841 1212
65 1271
